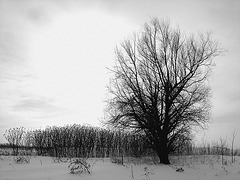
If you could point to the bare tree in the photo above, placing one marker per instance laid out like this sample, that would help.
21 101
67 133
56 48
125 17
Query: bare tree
15 138
233 139
223 149
159 86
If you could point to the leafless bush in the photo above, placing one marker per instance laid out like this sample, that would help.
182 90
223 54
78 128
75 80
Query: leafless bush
117 160
15 138
79 165
22 159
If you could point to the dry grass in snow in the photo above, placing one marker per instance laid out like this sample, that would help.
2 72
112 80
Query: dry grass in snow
193 168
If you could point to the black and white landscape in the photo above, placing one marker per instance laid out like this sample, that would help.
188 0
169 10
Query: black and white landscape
119 89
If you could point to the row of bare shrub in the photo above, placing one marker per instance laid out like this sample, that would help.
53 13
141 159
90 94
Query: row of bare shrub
87 141
78 141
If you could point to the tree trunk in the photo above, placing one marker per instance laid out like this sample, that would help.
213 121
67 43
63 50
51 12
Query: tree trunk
163 156
162 152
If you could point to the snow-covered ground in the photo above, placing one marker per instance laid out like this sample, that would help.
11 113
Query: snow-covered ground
195 168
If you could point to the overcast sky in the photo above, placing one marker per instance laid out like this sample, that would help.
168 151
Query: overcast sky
54 54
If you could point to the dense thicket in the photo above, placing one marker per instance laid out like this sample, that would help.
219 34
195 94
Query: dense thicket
87 141
84 141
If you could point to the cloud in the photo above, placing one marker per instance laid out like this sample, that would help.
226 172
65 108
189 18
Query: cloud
229 116
38 15
41 105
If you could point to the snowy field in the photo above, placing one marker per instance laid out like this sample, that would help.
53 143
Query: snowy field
194 168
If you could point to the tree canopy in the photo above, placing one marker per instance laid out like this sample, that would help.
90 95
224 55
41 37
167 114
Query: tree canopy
159 85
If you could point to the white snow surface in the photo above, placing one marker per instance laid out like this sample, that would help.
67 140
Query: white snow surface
195 168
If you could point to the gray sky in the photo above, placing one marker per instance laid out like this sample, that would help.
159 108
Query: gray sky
53 56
